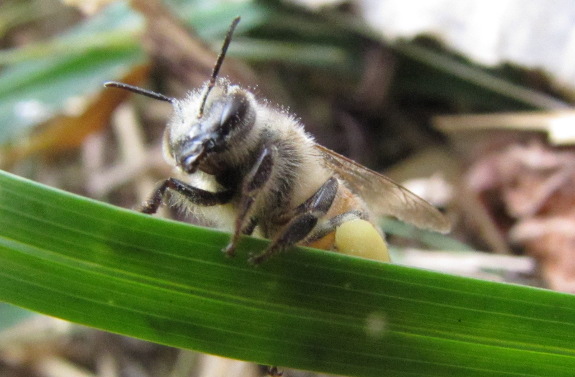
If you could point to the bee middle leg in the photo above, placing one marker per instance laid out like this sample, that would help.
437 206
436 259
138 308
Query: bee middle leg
253 184
303 223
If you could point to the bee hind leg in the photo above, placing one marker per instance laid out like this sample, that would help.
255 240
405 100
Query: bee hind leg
331 225
303 223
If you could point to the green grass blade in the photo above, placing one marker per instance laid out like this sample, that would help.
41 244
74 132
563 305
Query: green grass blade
168 282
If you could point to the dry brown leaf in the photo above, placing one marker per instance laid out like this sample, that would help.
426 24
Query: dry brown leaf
529 189
88 7
66 132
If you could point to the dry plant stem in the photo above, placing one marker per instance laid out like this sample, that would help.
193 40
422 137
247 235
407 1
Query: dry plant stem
53 366
34 330
476 212
107 365
556 124
472 264
215 366
132 148
186 362
134 163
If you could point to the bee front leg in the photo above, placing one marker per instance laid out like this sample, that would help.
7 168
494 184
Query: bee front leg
307 216
193 194
253 184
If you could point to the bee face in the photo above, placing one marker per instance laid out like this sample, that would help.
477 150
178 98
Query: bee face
193 142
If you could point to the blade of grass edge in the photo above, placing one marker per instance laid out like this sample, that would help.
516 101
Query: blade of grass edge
167 282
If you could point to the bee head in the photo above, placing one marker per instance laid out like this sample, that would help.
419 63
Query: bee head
200 142
207 122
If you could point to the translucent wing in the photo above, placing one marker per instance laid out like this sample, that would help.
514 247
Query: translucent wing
382 195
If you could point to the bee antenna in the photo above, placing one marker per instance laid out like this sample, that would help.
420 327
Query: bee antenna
138 90
218 64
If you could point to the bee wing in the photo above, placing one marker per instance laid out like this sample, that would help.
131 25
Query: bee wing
382 195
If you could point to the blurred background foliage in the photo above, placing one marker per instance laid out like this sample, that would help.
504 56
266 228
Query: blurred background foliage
386 104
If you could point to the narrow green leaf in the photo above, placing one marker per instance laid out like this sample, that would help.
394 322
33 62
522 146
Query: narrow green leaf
444 75
317 56
168 282
72 65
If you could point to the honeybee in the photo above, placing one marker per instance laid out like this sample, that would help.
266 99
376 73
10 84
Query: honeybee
253 169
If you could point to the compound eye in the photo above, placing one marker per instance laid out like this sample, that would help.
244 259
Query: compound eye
209 145
233 113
